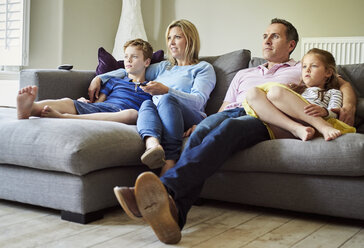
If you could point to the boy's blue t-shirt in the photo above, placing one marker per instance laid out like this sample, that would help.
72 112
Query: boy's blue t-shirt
121 92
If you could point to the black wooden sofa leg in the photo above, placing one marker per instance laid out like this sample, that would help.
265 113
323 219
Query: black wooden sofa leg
81 218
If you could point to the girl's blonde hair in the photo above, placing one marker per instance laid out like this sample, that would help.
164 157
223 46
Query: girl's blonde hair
329 61
192 37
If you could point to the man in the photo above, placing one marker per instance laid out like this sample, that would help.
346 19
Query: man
164 203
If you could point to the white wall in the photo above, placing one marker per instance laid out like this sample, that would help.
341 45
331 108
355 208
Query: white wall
88 25
45 37
233 24
71 31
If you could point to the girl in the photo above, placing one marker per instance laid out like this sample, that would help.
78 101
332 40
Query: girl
180 88
320 95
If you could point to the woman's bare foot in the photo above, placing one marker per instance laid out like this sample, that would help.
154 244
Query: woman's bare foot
49 112
25 100
304 133
330 133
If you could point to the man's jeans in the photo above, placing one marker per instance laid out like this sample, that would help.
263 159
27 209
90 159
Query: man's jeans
215 139
166 122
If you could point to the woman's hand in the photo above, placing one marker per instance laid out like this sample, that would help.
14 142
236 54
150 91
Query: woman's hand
315 110
94 89
189 131
82 99
155 88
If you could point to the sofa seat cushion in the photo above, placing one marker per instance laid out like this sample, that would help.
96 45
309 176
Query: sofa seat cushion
73 146
7 113
343 156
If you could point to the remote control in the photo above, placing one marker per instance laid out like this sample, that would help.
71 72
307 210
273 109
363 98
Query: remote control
65 67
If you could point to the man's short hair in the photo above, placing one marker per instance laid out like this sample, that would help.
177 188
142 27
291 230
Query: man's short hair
142 45
291 31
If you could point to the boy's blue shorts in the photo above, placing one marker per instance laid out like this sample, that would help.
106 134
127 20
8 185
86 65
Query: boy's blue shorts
90 108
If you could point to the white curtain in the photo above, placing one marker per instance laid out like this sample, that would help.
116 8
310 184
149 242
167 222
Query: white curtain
130 26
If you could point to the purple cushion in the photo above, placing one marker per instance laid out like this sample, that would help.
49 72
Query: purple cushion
107 62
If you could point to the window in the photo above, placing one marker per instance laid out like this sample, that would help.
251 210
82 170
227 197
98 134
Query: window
14 32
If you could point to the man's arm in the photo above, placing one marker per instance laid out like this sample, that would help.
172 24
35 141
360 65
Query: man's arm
347 111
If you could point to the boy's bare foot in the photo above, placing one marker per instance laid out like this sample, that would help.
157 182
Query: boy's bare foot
49 112
25 100
304 133
330 133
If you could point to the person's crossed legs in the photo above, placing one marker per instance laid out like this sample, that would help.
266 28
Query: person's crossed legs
184 181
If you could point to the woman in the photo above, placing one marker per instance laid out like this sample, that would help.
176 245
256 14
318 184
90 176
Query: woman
180 88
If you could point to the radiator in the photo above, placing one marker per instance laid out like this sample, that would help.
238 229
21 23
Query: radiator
346 50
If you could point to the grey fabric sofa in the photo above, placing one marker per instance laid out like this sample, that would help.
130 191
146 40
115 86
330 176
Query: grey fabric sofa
72 165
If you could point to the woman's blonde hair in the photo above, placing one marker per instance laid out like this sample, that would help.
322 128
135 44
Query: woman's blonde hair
192 37
329 61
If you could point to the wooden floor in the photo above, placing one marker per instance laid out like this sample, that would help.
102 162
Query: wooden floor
214 224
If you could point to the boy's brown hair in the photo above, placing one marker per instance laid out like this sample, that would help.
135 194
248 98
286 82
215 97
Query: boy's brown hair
142 45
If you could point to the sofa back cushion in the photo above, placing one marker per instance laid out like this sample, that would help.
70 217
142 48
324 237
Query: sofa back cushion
255 61
225 66
355 75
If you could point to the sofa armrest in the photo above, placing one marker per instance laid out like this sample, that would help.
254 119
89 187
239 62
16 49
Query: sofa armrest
55 84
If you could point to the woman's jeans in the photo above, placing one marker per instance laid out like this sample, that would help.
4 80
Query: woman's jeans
214 141
167 122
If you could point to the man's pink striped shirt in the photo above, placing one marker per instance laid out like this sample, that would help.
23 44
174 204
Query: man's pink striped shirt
285 73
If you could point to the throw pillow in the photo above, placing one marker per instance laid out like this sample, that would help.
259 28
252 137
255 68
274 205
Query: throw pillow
107 62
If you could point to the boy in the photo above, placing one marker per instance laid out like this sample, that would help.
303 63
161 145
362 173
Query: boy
119 100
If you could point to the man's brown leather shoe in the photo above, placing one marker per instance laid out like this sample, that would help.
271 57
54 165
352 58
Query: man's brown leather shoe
157 208
126 198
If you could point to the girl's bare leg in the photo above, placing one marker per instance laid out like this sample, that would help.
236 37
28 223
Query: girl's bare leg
26 106
293 106
268 113
127 116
